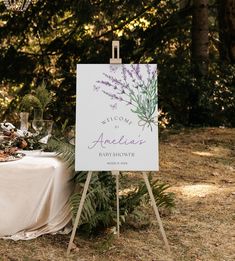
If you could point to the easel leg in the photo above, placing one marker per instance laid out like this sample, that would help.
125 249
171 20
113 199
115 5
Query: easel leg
79 211
118 209
116 173
156 212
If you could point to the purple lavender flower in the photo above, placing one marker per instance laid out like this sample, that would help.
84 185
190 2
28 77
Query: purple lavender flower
124 72
130 73
105 83
134 89
154 72
96 88
148 69
113 68
136 70
111 95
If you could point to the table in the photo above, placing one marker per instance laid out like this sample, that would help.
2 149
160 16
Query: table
34 197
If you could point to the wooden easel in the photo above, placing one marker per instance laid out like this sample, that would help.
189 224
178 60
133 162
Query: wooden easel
117 60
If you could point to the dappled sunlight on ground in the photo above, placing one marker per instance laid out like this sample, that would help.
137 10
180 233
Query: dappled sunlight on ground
203 153
198 190
213 152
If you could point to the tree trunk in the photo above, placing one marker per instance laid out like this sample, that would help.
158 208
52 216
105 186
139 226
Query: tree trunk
183 3
200 30
226 14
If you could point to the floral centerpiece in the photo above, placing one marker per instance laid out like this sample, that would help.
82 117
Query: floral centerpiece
14 139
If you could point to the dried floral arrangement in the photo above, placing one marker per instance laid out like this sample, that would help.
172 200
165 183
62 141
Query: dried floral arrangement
14 139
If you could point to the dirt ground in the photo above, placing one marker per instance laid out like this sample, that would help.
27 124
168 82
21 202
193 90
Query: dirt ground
199 165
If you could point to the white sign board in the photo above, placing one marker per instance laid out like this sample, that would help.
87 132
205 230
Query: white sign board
116 117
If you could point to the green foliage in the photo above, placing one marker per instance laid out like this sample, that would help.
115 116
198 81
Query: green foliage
208 101
38 100
48 40
98 211
29 102
146 103
64 150
139 218
43 95
221 100
100 205
140 194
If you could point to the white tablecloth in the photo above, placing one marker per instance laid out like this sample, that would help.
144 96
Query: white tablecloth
34 194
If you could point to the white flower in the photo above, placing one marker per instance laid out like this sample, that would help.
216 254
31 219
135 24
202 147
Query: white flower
7 126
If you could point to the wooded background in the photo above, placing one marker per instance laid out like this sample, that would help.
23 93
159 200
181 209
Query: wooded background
193 43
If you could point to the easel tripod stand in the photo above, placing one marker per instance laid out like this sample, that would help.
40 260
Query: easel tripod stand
117 60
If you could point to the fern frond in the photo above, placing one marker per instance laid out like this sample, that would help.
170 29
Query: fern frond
43 95
135 198
99 210
97 202
65 151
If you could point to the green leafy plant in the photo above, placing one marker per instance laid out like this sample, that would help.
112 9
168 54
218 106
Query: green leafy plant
99 210
64 149
140 194
38 100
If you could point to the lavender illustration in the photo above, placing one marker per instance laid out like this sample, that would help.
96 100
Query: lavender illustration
134 87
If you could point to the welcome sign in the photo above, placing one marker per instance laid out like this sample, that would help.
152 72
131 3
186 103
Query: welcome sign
116 117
